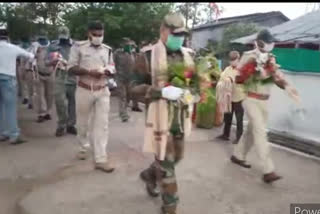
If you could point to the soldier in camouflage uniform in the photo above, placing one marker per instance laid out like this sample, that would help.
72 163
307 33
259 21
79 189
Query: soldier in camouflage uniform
161 173
65 86
124 59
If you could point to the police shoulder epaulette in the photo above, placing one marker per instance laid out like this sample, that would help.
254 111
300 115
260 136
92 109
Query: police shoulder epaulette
147 48
249 52
106 46
81 43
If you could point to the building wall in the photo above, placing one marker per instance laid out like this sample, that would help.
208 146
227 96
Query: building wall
282 110
200 37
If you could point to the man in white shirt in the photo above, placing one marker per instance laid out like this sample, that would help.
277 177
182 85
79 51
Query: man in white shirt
8 89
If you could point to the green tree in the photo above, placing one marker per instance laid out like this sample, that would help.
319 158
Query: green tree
233 31
196 12
139 21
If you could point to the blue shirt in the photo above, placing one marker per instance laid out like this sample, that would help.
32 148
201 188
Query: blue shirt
8 57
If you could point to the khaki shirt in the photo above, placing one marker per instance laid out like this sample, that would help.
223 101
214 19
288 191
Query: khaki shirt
238 91
87 56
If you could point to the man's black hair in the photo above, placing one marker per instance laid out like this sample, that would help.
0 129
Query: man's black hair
95 25
4 34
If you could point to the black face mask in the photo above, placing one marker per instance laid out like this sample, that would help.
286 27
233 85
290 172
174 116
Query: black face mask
64 41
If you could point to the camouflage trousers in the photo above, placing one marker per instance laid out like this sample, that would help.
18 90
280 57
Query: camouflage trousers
162 174
124 98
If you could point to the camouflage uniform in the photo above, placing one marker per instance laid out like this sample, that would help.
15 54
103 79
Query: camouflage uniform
65 88
161 173
124 63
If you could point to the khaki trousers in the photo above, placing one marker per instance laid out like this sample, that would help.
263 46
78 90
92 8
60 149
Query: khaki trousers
92 111
255 134
30 86
44 94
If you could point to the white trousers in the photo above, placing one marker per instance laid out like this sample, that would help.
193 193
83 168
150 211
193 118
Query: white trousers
92 109
255 134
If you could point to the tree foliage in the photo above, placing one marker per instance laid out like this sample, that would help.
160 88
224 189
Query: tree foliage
139 21
231 32
196 12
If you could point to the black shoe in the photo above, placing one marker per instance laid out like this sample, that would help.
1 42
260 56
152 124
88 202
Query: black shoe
47 117
239 162
17 141
223 137
60 132
4 138
25 101
30 106
235 142
72 130
136 109
41 119
151 187
152 190
124 120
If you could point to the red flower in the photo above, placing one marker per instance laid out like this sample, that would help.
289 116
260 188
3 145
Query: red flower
188 73
167 84
245 72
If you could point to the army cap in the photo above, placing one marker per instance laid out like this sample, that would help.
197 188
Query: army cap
266 37
127 41
176 22
64 31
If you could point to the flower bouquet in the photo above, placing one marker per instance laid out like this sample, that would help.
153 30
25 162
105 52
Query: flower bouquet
209 74
187 79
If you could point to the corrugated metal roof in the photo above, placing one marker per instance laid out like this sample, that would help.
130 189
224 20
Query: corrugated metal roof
250 17
305 29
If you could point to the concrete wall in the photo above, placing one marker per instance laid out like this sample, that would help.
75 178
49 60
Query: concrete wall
282 110
200 38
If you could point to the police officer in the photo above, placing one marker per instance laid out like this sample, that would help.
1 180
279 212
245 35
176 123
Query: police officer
92 61
44 81
65 84
30 69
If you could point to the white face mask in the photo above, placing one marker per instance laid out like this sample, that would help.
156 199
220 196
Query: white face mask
266 47
96 40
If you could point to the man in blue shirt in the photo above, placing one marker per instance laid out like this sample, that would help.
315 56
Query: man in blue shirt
8 89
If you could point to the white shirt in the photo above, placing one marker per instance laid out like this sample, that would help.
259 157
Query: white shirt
8 57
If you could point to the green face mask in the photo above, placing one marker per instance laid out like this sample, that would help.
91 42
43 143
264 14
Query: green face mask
174 43
127 48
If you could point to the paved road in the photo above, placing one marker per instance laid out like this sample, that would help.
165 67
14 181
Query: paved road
43 176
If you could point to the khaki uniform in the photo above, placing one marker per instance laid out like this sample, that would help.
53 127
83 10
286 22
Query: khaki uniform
44 83
257 112
92 105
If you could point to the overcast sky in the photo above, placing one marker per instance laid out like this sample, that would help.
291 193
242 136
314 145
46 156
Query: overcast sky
291 10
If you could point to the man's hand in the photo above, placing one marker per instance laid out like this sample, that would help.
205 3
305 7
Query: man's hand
95 73
108 73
